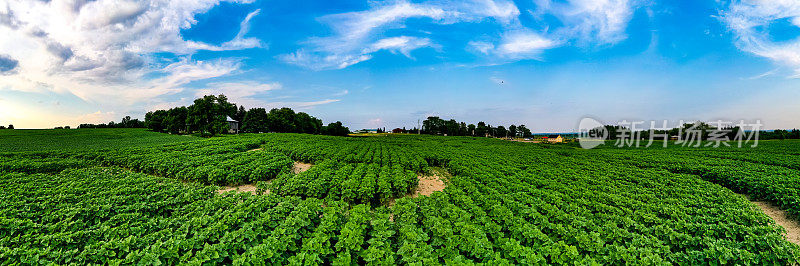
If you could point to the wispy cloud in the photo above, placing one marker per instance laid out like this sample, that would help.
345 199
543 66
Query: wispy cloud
750 20
590 22
357 34
402 44
341 93
515 45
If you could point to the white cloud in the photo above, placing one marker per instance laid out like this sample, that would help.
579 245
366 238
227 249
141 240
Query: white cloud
522 44
298 105
241 93
375 122
516 45
341 93
103 51
402 44
306 105
356 35
600 22
749 19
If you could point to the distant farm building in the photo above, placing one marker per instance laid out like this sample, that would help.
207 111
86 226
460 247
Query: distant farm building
368 130
554 138
233 125
397 130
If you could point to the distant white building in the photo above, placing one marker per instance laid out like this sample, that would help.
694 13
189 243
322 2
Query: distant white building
233 125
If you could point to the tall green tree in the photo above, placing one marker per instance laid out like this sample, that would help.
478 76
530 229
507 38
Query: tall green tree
154 120
281 120
481 130
175 121
501 132
335 129
208 114
307 124
524 131
239 116
255 121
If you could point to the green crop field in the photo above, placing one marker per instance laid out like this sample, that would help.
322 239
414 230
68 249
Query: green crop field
85 139
120 196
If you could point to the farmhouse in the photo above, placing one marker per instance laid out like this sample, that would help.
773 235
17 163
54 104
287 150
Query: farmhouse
233 125
397 130
554 138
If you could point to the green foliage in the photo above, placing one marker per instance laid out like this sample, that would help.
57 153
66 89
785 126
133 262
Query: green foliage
255 121
505 203
82 139
335 129
207 115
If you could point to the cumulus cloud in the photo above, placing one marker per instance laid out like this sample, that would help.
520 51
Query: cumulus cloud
97 49
357 35
750 20
595 22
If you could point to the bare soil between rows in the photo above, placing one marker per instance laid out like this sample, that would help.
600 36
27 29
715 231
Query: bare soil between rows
781 218
427 184
300 167
297 167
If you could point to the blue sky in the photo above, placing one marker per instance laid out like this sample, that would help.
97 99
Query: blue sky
541 63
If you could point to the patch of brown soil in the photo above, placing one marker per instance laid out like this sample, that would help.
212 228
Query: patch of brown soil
258 149
300 167
427 185
781 218
246 188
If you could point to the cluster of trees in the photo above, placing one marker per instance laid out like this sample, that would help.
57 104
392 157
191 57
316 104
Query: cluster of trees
9 127
780 134
208 115
286 120
436 126
126 122
699 130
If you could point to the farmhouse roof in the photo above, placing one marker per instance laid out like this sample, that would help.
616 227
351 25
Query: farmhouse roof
229 119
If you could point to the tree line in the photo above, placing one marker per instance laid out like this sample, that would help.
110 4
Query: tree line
208 117
126 122
434 125
9 127
698 130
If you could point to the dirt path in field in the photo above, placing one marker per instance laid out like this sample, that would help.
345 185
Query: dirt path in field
427 184
243 188
257 149
246 188
781 218
297 168
300 167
